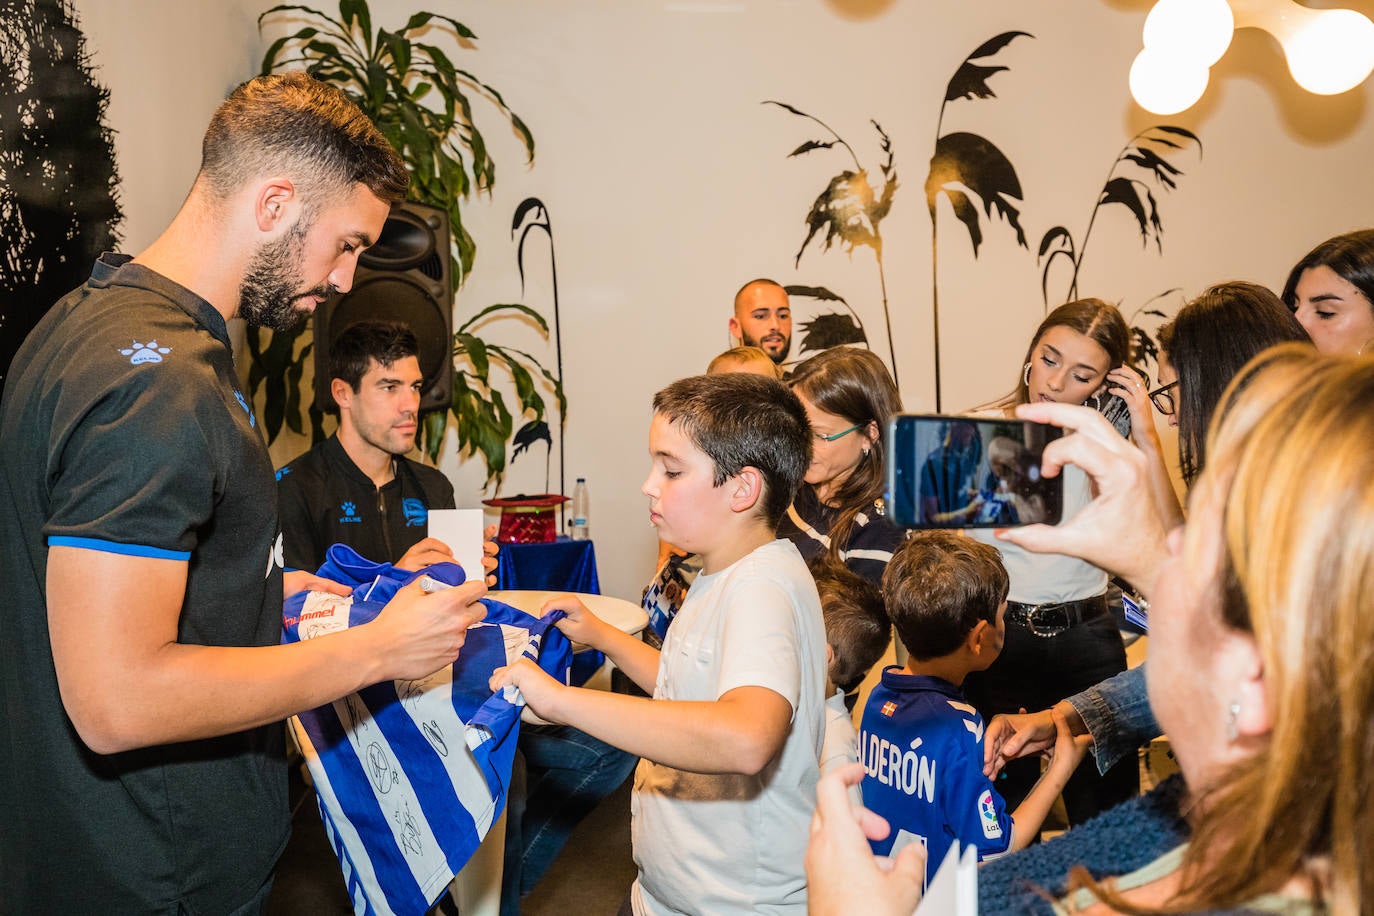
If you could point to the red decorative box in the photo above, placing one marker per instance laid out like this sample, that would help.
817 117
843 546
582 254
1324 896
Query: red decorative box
528 519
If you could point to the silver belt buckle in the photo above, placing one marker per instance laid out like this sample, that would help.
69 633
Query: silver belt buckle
1045 633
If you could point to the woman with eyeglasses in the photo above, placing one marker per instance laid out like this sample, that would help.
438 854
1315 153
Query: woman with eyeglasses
1061 636
1204 347
849 397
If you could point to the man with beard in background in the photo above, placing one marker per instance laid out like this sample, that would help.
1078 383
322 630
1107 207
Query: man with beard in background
140 669
763 318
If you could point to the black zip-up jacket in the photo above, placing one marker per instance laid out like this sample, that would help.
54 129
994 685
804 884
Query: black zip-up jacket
326 499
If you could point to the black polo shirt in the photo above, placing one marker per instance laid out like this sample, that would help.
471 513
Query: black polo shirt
326 499
123 430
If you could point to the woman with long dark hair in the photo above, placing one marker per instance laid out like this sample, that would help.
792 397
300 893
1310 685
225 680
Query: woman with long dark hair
839 511
1331 292
1060 635
1204 347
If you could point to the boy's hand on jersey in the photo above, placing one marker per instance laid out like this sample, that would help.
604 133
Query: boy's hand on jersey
580 624
539 690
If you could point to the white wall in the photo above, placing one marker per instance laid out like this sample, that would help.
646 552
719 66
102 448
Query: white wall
668 185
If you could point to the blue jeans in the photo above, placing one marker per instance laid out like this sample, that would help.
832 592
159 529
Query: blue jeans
566 773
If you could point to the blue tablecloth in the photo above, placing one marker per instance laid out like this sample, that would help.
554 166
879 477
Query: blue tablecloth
563 565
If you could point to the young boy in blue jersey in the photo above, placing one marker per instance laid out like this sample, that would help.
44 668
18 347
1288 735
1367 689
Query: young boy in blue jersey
731 738
920 740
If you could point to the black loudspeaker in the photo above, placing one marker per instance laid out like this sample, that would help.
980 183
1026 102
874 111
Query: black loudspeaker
404 277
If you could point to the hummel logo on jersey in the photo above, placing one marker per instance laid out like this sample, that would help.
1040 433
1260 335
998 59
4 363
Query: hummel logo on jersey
145 353
415 512
350 514
889 708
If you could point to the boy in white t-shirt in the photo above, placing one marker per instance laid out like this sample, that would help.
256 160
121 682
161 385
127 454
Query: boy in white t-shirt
731 739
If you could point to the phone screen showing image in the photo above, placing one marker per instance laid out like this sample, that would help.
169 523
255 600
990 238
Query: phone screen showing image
965 472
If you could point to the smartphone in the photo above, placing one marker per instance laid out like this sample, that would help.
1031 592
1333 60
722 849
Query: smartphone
1116 410
968 472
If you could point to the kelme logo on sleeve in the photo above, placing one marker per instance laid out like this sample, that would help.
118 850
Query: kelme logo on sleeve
141 353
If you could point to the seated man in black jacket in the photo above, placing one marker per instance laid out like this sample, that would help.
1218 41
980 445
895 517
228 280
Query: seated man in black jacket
358 487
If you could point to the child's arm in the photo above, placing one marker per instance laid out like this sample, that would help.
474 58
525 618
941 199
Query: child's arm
630 654
738 733
1030 814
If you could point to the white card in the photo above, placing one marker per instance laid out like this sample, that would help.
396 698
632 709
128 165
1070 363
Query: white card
954 889
461 530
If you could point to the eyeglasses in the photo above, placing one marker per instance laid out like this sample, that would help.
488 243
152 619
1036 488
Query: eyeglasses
839 435
1163 398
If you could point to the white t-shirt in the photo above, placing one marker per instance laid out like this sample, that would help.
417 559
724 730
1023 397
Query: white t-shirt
1048 578
841 741
729 843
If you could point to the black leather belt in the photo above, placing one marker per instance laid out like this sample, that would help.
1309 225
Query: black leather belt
1052 619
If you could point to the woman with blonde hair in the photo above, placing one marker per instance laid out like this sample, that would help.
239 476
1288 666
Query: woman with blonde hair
1262 644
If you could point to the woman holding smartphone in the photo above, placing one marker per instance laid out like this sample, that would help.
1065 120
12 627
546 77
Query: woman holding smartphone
1061 637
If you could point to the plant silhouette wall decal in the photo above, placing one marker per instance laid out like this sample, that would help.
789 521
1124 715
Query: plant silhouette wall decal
1147 155
967 164
834 329
847 210
1144 347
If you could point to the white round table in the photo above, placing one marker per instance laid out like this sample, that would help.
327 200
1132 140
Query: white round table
625 616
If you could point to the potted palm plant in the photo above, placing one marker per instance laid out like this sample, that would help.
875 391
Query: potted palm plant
422 101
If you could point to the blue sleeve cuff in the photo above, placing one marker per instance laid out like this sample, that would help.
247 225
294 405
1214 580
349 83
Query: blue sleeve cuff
1118 716
128 550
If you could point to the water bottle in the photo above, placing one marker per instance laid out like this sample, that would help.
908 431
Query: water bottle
581 511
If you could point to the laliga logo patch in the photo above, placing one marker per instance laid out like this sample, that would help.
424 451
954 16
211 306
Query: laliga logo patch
145 353
987 816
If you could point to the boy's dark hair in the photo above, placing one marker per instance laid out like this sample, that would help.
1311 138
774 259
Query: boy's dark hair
742 421
856 624
293 124
938 586
359 344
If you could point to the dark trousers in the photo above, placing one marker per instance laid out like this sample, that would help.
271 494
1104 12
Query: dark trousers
1034 673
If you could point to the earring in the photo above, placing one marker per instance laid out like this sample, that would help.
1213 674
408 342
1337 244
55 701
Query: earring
1025 376
1232 714
1097 403
864 452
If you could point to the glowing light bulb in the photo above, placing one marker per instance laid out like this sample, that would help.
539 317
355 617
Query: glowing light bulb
1198 31
1331 51
1166 86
